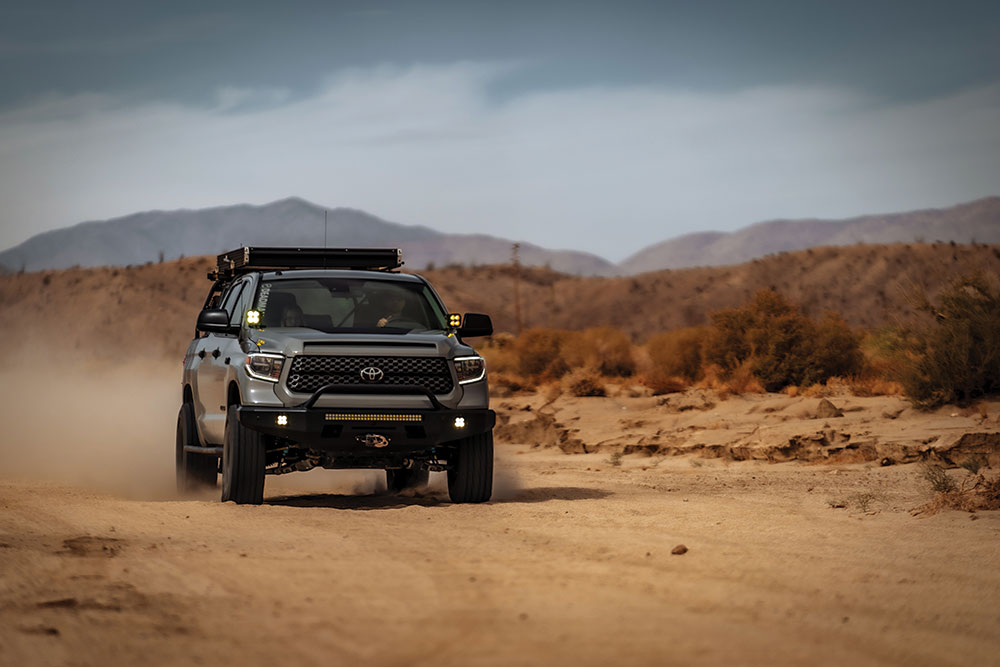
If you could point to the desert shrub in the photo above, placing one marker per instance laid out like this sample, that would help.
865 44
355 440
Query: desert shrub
740 380
677 353
539 353
505 384
873 384
665 384
955 356
836 350
974 463
976 492
585 382
885 350
883 357
605 350
548 354
500 353
779 344
938 478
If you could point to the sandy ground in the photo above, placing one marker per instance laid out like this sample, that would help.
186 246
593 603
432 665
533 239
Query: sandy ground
570 564
839 427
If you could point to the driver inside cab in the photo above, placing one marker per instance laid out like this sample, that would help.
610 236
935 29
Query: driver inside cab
393 308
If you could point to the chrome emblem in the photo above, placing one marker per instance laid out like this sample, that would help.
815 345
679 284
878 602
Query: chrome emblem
371 374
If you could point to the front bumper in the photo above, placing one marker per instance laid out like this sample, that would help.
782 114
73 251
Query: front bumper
349 429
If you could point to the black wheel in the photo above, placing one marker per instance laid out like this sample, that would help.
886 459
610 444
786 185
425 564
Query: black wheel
470 470
399 479
243 460
194 471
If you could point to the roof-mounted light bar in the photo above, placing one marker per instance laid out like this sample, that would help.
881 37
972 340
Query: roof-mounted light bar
244 260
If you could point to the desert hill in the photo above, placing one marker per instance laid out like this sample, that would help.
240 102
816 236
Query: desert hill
149 310
977 221
143 237
150 236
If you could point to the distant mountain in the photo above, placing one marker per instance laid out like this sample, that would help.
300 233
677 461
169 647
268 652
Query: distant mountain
142 237
976 221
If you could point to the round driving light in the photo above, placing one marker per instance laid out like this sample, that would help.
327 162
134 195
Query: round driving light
282 420
459 422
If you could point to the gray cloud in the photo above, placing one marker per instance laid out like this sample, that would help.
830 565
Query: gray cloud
599 168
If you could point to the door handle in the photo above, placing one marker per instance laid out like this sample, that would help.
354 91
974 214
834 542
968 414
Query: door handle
215 353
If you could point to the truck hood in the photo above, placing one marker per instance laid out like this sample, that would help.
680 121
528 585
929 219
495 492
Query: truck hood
292 342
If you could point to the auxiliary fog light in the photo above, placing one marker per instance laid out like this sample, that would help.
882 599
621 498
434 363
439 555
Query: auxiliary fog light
282 420
459 422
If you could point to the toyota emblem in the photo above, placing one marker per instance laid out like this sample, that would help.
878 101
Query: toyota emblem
371 374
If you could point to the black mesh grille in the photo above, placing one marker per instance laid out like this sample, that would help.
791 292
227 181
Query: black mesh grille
310 372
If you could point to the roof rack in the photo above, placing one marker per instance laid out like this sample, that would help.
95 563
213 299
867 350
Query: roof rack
244 260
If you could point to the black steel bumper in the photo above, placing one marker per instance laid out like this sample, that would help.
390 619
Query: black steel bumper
349 429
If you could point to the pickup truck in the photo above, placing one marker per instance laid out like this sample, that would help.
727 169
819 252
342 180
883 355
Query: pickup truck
306 357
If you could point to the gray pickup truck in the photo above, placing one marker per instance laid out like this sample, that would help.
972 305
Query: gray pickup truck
307 357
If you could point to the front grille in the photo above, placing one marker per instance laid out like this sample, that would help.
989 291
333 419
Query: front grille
310 372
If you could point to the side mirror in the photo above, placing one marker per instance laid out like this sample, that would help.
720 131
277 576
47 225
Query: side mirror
475 324
215 320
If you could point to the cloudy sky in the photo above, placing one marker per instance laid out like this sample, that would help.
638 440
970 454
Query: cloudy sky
600 126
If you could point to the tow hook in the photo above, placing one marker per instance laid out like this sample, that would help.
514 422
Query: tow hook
373 440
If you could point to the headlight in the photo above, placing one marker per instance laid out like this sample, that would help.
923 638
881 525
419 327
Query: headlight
470 369
265 366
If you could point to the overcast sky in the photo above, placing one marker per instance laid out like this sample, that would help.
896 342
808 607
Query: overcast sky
600 126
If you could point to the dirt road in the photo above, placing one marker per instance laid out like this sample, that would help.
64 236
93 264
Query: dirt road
572 565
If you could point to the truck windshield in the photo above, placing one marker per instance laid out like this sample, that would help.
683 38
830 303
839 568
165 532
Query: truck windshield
349 305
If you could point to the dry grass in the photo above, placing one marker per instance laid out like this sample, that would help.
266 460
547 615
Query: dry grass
739 381
874 385
973 494
585 382
665 384
938 479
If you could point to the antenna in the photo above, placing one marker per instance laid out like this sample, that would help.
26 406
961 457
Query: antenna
324 227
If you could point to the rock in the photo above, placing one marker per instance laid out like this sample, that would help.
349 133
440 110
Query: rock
886 461
679 550
827 410
892 414
694 399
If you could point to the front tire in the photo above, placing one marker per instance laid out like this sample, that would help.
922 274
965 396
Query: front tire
400 479
470 473
194 471
244 455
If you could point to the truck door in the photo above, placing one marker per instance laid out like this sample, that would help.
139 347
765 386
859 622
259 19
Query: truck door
211 372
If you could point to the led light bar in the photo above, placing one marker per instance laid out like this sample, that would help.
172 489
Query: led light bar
244 260
370 417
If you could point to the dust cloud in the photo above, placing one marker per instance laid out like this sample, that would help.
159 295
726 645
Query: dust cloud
111 428
108 427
